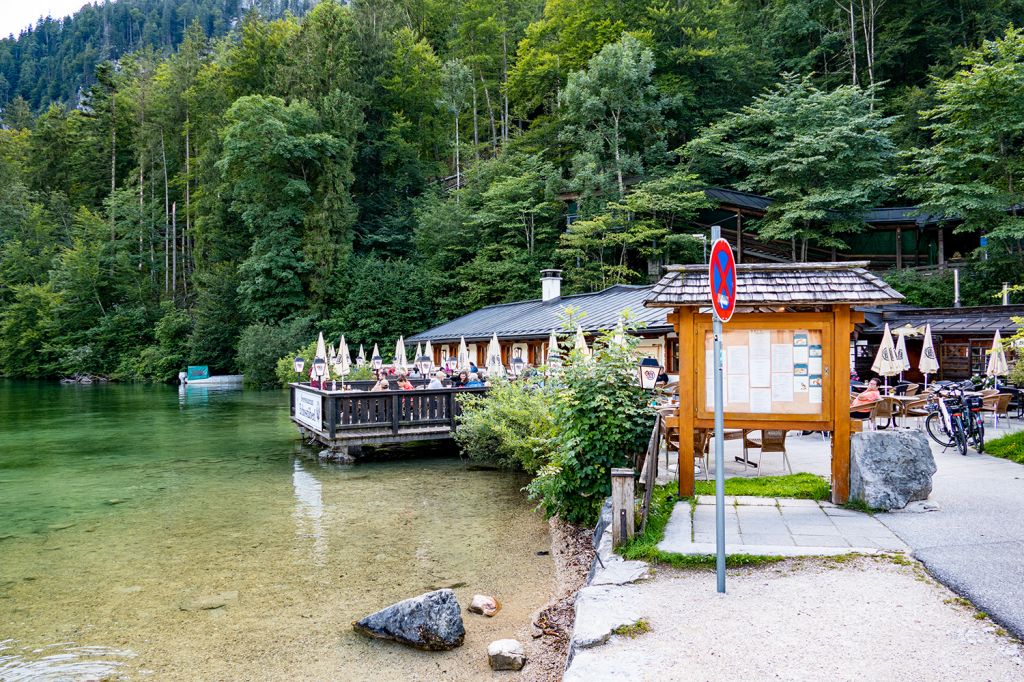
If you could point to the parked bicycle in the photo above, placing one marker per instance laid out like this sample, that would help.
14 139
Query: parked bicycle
956 420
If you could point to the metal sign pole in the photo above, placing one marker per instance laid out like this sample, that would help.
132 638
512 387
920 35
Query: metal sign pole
719 444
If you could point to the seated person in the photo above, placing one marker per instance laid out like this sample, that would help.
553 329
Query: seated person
382 385
474 381
869 395
662 379
460 380
404 383
437 381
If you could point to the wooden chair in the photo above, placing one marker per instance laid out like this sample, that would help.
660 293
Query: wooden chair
912 389
863 412
916 408
986 392
887 409
772 440
998 404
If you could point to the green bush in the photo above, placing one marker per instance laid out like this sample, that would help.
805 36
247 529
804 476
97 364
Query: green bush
1009 447
511 426
261 345
602 419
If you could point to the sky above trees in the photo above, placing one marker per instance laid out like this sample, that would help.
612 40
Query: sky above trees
17 16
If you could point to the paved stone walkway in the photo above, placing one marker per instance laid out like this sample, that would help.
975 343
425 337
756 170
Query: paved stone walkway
776 527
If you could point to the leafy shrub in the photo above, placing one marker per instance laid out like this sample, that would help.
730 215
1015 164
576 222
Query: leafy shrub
511 426
262 344
602 419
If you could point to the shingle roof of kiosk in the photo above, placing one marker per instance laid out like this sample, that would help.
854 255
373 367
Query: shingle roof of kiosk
777 284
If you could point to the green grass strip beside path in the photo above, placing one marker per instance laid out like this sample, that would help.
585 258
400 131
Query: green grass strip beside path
1009 447
644 546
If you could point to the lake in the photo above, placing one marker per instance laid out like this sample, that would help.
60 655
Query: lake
124 509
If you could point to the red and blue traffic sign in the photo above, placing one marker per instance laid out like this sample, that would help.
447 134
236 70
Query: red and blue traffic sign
722 280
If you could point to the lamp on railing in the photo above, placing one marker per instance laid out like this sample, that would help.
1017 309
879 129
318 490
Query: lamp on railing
649 373
377 361
451 363
319 365
299 364
424 364
516 366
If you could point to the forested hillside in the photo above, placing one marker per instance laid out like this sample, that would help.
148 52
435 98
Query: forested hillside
377 167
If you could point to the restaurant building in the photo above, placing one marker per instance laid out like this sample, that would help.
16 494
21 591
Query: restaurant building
962 337
524 327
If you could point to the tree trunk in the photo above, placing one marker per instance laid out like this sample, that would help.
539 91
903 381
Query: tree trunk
476 128
504 88
187 246
167 210
458 172
618 161
174 250
490 113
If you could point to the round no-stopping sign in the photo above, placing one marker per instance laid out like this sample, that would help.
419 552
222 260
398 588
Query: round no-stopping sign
722 280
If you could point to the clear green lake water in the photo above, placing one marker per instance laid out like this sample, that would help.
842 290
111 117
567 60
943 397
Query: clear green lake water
125 508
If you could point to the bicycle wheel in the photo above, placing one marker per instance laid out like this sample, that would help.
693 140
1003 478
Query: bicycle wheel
936 429
979 435
960 436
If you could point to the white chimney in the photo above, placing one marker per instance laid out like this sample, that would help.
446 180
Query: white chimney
550 285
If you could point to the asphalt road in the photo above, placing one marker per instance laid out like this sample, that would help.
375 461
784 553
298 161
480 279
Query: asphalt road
975 543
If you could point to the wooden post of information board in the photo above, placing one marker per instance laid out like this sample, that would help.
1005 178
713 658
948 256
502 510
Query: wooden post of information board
841 329
687 395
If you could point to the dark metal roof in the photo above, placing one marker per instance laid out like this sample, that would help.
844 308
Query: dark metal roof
974 320
875 216
776 284
536 319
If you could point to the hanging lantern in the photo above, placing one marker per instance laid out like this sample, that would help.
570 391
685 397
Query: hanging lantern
649 373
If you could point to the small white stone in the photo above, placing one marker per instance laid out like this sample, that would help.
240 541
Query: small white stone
506 654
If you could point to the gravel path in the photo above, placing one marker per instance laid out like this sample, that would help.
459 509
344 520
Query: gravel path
861 619
975 542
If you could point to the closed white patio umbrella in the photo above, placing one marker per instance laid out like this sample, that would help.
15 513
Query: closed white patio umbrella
901 351
928 364
494 365
344 364
401 361
581 343
554 354
463 355
321 354
361 358
419 354
886 364
428 350
997 366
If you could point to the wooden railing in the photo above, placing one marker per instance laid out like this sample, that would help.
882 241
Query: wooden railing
345 415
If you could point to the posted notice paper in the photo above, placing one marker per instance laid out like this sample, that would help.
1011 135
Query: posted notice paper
782 387
760 359
782 357
736 360
760 400
738 387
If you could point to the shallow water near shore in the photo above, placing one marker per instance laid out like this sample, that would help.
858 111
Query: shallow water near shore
152 534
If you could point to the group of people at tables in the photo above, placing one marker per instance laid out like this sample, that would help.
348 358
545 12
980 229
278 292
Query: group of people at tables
467 378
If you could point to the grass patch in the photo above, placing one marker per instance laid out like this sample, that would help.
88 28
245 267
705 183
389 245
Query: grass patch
800 486
633 630
644 546
861 506
1009 447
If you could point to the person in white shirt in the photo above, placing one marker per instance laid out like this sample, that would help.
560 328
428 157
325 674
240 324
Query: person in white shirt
437 381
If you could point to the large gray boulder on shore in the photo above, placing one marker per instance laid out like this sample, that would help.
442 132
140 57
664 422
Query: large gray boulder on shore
431 621
890 469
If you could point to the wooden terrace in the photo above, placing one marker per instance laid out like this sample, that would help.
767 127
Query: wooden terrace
343 419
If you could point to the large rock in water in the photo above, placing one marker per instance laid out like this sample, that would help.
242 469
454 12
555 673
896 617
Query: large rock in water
431 621
889 469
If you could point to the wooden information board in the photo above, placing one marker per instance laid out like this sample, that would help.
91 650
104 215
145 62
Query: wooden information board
775 372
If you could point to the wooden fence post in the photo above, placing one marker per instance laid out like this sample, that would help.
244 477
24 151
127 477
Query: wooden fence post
622 506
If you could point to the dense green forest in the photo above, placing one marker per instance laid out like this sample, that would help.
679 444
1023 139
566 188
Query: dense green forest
222 188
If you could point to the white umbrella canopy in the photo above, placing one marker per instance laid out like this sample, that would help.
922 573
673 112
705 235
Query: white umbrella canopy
361 358
886 363
901 351
928 364
997 366
494 365
581 343
428 350
376 352
401 361
419 352
321 352
463 356
344 364
554 355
